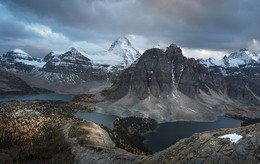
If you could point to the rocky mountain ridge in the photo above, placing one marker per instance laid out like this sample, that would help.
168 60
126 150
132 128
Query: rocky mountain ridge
236 59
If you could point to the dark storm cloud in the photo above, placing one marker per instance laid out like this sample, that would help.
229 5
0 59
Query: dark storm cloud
200 24
208 23
81 19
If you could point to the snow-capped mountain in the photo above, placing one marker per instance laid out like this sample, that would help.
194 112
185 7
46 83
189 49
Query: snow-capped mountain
123 48
18 60
236 59
120 55
73 53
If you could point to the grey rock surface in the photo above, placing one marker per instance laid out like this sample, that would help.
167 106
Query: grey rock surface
207 147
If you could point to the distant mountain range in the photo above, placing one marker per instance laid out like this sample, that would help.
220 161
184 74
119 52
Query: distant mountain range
73 70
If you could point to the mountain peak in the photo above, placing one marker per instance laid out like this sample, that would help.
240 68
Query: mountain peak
174 46
78 49
73 50
244 49
121 42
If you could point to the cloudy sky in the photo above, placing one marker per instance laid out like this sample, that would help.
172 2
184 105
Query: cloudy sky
202 28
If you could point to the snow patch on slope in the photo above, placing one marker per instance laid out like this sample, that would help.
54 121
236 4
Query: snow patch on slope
105 58
35 63
234 138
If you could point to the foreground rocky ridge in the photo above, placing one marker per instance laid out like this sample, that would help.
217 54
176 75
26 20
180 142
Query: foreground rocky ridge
207 147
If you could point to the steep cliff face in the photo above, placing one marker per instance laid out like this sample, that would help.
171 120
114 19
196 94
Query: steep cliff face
158 73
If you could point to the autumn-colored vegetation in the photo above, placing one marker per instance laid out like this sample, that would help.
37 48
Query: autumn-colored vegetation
30 130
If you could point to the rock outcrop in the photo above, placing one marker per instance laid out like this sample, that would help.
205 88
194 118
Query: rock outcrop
242 146
92 144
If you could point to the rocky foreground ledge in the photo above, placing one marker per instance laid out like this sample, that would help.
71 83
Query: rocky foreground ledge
232 146
91 144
